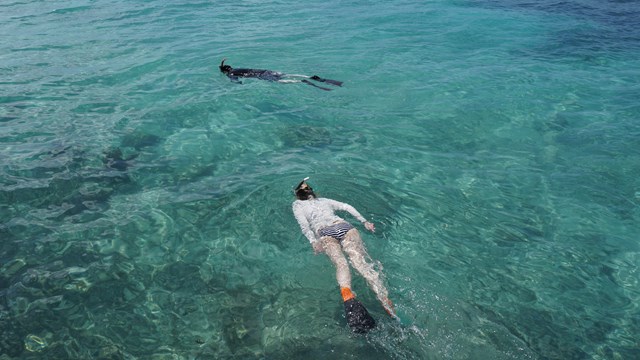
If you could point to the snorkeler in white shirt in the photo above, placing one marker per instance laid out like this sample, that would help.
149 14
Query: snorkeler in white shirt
332 235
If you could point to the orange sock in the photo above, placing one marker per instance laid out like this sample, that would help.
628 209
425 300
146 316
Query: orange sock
346 294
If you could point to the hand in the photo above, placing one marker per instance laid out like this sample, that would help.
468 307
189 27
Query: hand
317 247
369 226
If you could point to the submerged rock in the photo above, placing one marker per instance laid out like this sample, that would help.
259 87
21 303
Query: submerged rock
34 343
13 267
140 140
114 159
301 136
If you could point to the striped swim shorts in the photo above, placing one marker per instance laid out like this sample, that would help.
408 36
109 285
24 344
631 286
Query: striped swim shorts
337 231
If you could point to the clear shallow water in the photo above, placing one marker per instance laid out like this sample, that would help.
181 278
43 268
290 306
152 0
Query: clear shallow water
494 143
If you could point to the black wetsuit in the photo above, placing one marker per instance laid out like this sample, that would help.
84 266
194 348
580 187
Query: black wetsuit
235 74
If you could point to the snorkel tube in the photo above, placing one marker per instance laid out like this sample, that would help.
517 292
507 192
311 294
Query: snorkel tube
300 184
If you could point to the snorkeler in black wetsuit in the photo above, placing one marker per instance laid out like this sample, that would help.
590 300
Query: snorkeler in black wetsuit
235 74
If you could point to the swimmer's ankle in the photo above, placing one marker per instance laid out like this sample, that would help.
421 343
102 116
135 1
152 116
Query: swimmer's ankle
388 307
346 294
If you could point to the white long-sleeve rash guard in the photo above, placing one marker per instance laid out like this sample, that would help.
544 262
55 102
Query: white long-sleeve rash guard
315 214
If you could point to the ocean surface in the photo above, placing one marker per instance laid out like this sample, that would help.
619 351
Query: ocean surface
145 199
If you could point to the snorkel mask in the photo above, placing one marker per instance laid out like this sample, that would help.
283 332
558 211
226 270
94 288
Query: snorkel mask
303 190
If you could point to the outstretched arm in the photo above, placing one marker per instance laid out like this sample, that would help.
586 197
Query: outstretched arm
351 210
369 226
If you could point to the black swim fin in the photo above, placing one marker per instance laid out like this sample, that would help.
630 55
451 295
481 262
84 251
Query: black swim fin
312 84
328 81
358 317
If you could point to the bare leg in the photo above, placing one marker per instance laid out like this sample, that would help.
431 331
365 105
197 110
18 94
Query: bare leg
354 247
292 78
334 251
357 315
297 76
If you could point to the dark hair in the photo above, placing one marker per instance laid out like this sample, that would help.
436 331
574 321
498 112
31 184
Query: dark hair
303 193
225 68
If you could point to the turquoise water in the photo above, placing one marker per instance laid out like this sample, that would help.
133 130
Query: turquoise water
495 144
